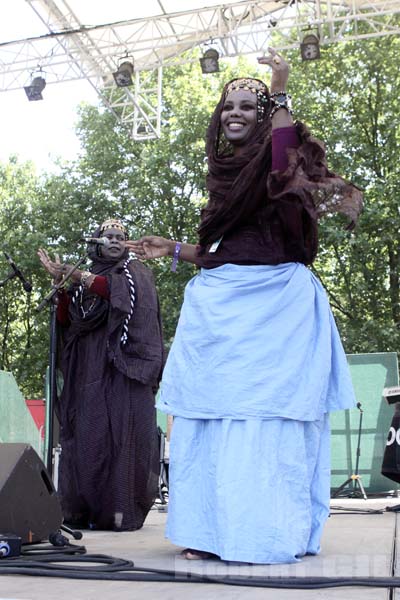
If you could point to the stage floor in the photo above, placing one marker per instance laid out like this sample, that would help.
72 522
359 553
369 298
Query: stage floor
353 545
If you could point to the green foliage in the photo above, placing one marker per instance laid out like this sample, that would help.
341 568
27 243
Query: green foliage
351 100
22 335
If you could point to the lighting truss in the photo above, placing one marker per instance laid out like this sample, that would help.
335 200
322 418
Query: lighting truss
72 50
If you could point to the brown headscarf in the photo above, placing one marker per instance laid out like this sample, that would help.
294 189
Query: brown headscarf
242 186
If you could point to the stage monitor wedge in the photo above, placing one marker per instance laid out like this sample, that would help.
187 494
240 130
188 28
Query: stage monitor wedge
29 506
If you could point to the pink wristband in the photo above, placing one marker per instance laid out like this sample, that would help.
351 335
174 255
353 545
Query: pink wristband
175 259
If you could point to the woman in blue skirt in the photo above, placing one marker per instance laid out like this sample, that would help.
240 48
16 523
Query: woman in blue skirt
257 363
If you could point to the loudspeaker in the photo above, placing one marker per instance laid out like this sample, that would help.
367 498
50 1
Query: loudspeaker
29 506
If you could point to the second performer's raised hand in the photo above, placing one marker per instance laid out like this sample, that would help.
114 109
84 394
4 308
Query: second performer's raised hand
55 267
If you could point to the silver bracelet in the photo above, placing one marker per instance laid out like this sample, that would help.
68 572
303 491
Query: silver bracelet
281 100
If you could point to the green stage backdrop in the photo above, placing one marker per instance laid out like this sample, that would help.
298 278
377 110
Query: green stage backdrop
370 374
16 422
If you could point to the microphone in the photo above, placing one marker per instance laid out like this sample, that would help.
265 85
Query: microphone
103 241
26 285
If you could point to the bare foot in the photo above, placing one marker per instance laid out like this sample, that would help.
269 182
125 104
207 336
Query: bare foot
191 554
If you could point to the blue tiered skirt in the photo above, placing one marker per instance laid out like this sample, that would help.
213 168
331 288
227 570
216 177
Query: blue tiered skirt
255 368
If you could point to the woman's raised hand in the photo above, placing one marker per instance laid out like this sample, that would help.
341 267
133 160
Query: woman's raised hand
280 70
151 246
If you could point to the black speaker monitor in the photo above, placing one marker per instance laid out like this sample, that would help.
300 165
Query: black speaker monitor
391 394
29 506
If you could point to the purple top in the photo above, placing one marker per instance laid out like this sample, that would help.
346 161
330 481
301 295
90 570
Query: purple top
283 138
281 239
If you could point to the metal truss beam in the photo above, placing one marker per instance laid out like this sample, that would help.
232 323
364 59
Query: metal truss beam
72 51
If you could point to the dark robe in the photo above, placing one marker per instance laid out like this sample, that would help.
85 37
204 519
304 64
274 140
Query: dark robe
109 463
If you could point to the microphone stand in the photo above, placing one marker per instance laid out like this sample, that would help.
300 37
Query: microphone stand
52 359
354 485
354 481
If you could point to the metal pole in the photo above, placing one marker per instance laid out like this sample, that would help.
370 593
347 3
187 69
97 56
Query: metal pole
52 387
359 438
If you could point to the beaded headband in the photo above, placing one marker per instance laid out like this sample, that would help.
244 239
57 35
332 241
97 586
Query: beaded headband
255 86
246 83
112 224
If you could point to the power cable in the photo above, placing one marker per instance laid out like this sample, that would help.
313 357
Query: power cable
42 561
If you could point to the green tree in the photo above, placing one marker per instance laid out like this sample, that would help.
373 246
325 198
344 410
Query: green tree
351 100
22 335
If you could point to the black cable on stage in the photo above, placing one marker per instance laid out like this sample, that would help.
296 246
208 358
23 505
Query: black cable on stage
118 569
109 563
34 550
154 575
41 561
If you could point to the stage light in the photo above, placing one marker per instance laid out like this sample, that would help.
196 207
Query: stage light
123 75
209 61
309 48
35 89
